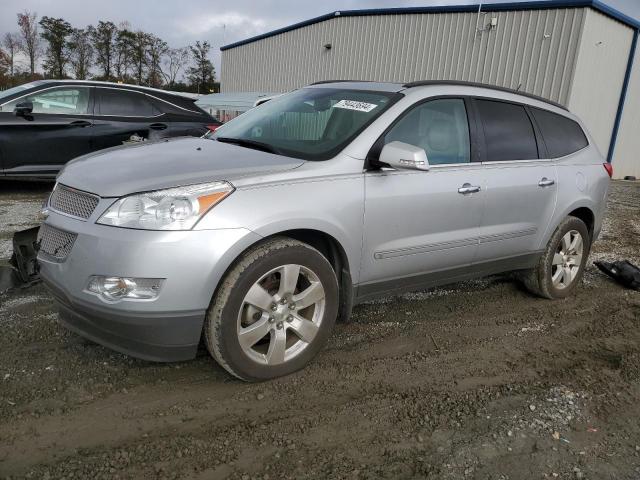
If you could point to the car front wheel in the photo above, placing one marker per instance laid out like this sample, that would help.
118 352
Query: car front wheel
273 311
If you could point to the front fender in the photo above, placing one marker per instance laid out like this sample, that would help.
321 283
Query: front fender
332 206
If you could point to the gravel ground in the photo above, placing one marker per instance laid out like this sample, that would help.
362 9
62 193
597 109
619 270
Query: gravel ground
19 207
475 380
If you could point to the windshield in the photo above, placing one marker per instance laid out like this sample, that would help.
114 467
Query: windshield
20 88
311 123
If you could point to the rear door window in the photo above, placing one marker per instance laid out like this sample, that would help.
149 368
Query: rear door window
562 136
508 131
123 103
440 127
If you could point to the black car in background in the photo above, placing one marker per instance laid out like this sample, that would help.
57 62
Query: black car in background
46 123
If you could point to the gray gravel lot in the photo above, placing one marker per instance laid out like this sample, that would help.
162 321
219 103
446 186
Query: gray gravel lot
474 380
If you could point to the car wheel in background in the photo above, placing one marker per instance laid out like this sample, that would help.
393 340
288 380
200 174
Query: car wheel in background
561 266
273 311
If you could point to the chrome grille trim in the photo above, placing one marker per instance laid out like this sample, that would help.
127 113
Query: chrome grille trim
72 202
54 242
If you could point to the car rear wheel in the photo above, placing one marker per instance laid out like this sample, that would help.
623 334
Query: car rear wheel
561 266
273 311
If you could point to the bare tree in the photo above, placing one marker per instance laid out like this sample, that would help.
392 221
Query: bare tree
81 52
11 43
4 64
122 48
31 41
175 60
156 49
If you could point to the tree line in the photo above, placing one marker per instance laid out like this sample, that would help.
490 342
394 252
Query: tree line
104 51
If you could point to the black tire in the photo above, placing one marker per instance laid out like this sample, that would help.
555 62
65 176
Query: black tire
221 323
539 279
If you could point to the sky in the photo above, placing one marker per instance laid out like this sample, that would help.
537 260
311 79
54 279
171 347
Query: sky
182 22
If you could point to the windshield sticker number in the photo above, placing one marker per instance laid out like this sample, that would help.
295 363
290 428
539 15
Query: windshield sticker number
353 105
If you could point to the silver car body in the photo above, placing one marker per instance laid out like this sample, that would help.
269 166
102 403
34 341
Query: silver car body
396 230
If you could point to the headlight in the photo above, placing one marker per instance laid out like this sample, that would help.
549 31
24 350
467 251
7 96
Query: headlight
172 209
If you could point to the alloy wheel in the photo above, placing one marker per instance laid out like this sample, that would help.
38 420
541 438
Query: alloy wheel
567 260
281 314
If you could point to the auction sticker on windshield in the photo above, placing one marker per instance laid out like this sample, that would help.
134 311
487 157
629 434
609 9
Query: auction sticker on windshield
354 105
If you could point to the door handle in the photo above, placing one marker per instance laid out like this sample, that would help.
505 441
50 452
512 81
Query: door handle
545 182
158 126
80 123
468 188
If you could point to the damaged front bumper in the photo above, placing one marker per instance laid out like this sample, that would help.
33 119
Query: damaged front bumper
22 270
166 328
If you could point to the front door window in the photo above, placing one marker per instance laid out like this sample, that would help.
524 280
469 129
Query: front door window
60 101
440 127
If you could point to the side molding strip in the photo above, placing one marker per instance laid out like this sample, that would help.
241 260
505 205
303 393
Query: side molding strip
466 242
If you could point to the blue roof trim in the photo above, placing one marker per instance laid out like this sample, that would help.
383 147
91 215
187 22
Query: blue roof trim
623 97
616 14
492 7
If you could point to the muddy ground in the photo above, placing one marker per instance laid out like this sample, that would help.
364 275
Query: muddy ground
476 380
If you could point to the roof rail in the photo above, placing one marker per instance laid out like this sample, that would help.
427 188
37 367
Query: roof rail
320 82
422 83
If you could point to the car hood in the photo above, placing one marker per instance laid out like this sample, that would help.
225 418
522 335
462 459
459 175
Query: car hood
168 163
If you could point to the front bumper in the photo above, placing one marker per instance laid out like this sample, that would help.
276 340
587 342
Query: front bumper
167 328
155 337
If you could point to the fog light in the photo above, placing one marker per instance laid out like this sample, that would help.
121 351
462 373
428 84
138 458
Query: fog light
117 288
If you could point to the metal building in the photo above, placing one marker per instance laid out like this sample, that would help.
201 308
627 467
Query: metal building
227 106
580 53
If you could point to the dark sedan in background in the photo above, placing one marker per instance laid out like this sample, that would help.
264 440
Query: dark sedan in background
44 124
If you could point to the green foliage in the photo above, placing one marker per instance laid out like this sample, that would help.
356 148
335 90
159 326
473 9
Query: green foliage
138 53
55 32
81 52
103 36
201 75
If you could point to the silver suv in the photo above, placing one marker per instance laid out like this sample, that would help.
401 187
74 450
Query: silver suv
259 238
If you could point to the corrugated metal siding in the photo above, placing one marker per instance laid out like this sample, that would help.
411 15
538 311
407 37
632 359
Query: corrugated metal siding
599 74
626 156
533 49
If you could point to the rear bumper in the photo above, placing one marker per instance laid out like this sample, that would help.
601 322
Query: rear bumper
155 337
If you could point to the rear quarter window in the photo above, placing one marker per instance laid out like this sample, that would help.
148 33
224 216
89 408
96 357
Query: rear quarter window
562 135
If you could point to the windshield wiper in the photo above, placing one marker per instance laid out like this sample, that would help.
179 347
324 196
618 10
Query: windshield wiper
243 142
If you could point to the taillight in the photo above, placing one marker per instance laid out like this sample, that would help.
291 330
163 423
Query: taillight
609 168
213 128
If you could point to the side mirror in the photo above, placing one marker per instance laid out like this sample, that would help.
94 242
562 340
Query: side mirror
23 109
404 156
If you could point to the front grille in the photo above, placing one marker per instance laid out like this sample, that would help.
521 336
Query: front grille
55 242
73 202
